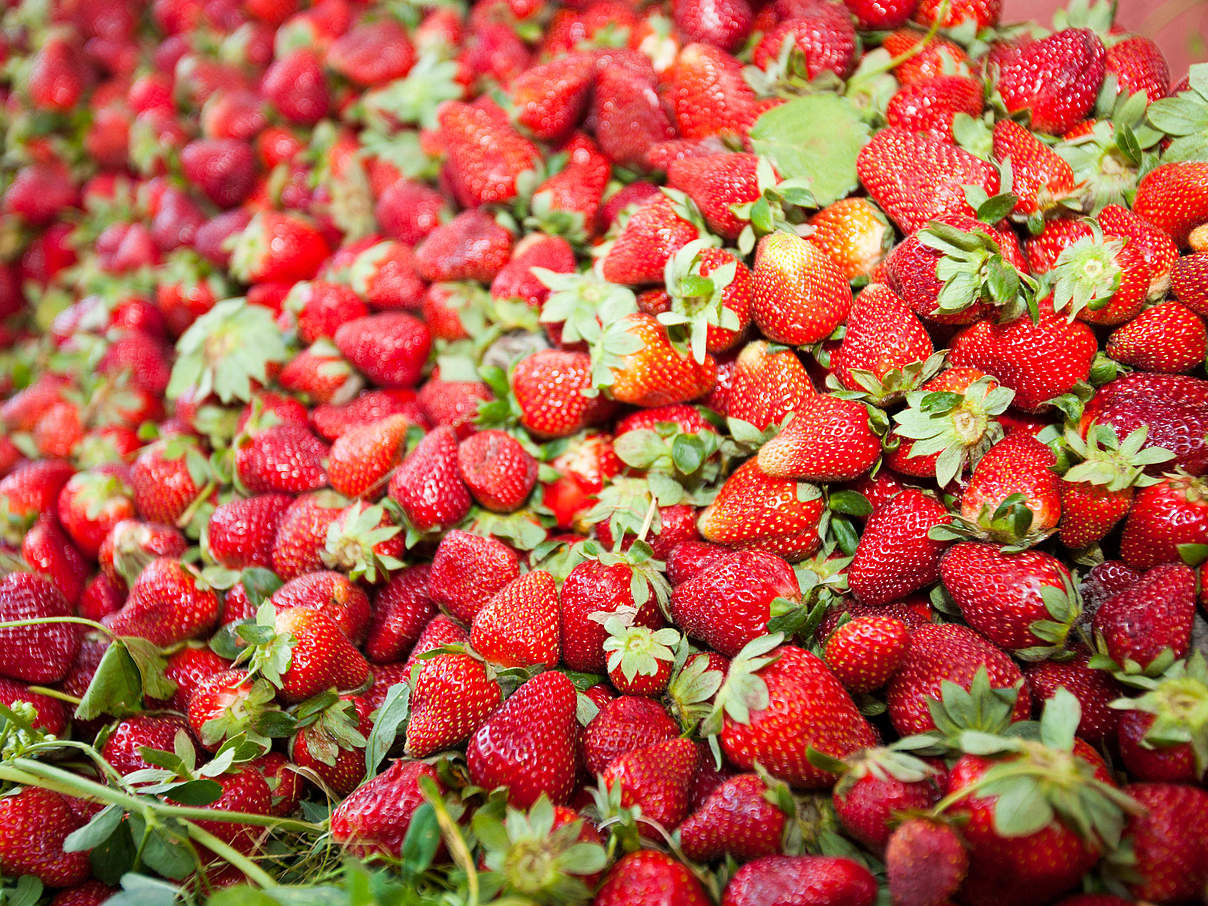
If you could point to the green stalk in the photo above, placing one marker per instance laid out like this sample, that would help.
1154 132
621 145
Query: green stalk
908 54
54 693
225 851
42 621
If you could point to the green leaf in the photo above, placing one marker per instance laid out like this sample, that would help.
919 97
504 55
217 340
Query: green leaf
1021 809
27 892
116 688
390 717
422 840
96 831
851 503
1059 722
790 136
196 792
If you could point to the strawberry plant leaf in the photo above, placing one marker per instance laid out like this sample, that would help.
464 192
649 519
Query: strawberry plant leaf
116 688
825 159
391 716
99 829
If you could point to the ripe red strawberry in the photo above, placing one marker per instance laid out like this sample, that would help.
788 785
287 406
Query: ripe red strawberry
799 705
628 113
278 248
241 533
895 555
639 659
1161 735
386 276
654 231
452 695
1169 838
370 406
130 734
736 819
600 586
749 581
333 595
652 878
471 246
1014 495
281 459
167 477
1168 338
302 533
428 485
468 570
787 879
952 653
655 778
223 168
722 23
375 817
372 53
929 105
1056 78
295 86
624 724
1040 178
706 90
548 386
926 862
498 471
1189 281
1163 516
187 668
528 745
1153 614
92 503
867 651
1094 689
854 234
49 553
1173 198
1139 65
518 627
876 786
828 439
1018 601
452 403
401 610
768 384
362 457
885 348
131 545
332 743
1037 361
35 823
651 371
484 154
168 603
982 13
549 99
915 178
390 348
798 295
821 33
319 657
755 511
1014 862
715 182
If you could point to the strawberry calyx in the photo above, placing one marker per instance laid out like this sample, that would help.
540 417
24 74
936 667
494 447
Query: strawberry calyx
1178 701
882 762
1087 274
879 392
1110 462
973 271
329 724
980 709
692 687
1064 606
638 651
583 303
354 543
743 691
533 856
780 202
697 301
959 427
1009 524
413 99
1109 158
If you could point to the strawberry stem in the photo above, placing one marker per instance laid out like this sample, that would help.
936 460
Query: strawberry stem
910 53
41 621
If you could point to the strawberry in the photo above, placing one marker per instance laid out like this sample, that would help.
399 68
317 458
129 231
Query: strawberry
330 593
925 861
302 533
755 511
187 668
769 383
715 182
168 603
131 545
981 13
854 234
548 387
1094 689
1189 282
452 403
408 210
167 477
885 348
652 878
787 879
798 294
1038 361
655 779
390 348
330 422
468 570
929 105
241 533
1101 281
709 292
1056 78
331 743
798 705
1013 495
1161 735
723 24
362 457
428 485
549 99
372 53
375 817
1170 841
518 627
223 168
1154 614
452 695
821 33
307 652
49 553
386 276
92 502
281 459
896 555
471 246
947 653
568 202
36 822
708 94
1164 516
1041 180
1172 197
1168 338
866 652
647 369
499 472
278 248
738 818
914 178
876 786
484 155
131 734
828 439
748 582
401 609
1020 601
639 659
654 231
603 586
628 114
1139 65
295 86
528 745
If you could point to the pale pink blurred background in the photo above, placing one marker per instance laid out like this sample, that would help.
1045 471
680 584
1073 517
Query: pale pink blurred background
1179 26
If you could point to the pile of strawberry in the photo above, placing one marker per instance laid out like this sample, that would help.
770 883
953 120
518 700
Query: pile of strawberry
644 455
